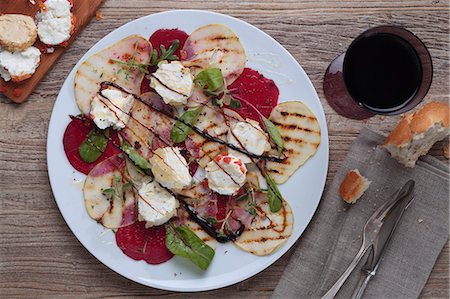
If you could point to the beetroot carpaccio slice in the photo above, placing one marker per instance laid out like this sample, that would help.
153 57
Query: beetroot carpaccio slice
140 243
258 90
76 132
163 37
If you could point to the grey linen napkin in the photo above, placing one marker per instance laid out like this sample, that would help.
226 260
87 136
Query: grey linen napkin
334 235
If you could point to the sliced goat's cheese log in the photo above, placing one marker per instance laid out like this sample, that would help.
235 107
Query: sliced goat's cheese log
268 230
170 168
111 109
18 66
226 174
248 135
104 66
55 23
115 210
155 204
214 46
173 82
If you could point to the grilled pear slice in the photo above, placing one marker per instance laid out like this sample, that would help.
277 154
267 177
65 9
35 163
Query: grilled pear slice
101 66
300 130
268 230
214 46
113 210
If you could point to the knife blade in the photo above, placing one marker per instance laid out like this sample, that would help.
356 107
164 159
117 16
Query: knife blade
380 244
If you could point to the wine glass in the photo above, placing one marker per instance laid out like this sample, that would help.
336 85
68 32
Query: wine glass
386 70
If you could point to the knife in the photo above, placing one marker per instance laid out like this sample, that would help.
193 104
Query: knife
378 248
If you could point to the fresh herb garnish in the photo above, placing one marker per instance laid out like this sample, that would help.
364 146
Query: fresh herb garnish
211 220
274 134
182 241
214 86
165 54
180 130
94 145
132 64
134 156
210 79
274 195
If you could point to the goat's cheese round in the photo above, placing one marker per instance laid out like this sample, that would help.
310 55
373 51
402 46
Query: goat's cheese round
155 204
19 64
226 174
173 82
249 136
170 168
55 22
112 111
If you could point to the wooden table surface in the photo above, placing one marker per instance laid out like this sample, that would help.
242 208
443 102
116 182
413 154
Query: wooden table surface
39 255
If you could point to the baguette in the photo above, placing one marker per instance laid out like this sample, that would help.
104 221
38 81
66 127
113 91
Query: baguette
417 132
353 186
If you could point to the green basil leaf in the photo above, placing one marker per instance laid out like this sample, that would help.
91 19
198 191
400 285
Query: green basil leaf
275 197
236 104
274 134
182 241
93 146
211 220
134 156
180 131
211 78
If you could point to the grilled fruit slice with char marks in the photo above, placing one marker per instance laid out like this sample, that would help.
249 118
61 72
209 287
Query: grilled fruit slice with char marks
215 122
147 128
214 46
268 230
99 67
300 131
118 209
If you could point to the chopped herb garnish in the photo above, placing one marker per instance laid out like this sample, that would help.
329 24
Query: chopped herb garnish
131 64
165 54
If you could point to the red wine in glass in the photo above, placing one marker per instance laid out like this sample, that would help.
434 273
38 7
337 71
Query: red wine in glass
386 70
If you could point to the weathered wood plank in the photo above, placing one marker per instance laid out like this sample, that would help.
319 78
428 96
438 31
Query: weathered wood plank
40 257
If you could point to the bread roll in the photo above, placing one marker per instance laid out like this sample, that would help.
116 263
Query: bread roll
17 32
417 132
353 186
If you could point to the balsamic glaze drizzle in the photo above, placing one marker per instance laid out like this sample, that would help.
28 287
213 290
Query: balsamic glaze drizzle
105 84
210 229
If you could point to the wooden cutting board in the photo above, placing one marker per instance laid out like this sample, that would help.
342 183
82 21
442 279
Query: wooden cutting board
83 11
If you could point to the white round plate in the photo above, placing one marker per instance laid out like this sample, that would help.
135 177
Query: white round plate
230 264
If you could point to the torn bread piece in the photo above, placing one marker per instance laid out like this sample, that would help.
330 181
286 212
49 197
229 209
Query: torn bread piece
353 186
417 132
17 32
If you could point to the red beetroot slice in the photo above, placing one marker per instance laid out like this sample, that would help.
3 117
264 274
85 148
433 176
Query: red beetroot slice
260 91
163 37
75 134
140 243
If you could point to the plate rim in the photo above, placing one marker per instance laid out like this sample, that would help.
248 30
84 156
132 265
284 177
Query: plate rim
324 142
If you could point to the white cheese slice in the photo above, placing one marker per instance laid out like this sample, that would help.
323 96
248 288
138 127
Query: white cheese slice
226 174
112 111
19 64
173 82
55 22
170 168
249 136
155 204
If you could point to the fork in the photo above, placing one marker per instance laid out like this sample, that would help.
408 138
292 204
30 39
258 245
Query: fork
370 233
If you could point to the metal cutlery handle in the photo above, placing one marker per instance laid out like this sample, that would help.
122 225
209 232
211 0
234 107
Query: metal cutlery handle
338 284
362 285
